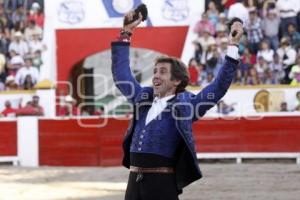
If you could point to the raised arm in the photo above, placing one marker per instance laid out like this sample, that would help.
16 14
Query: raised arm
211 94
122 75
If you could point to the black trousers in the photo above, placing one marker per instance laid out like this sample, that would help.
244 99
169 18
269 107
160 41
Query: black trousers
152 186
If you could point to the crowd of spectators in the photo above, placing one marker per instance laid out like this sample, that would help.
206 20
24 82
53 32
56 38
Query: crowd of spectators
31 108
270 47
21 31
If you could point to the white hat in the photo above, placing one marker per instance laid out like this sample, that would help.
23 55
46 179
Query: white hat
69 98
18 34
224 40
10 78
17 60
222 15
35 5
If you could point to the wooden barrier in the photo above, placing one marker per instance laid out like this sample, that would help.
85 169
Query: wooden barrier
84 142
8 138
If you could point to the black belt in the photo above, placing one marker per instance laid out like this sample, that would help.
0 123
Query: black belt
157 170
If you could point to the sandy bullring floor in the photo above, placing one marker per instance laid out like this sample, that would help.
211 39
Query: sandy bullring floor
277 181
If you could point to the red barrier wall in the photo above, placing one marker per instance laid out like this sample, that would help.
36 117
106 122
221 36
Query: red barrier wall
270 134
72 143
8 138
66 143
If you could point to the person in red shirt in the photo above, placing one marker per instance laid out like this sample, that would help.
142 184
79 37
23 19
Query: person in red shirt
8 111
193 71
36 14
69 108
31 108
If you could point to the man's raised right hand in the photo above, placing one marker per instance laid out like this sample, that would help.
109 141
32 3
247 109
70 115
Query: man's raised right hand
130 27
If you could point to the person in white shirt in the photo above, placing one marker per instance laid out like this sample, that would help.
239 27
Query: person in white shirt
31 30
28 69
288 56
238 10
19 45
288 10
265 52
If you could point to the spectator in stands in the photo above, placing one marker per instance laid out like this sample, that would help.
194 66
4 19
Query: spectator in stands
19 15
36 14
247 60
252 3
239 79
204 25
37 59
270 27
270 78
265 52
5 21
209 79
99 110
19 45
205 40
31 30
15 64
295 73
213 13
297 108
224 108
261 66
28 83
288 56
277 68
198 52
2 69
252 77
8 110
288 14
254 30
222 24
3 39
239 10
17 27
293 35
35 44
69 108
2 86
11 5
223 47
10 83
284 107
202 74
269 5
226 4
28 69
193 71
31 108
221 33
212 59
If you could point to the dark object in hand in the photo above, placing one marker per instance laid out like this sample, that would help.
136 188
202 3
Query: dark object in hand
235 19
142 8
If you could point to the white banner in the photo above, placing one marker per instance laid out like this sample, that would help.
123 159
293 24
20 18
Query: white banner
85 14
252 101
66 14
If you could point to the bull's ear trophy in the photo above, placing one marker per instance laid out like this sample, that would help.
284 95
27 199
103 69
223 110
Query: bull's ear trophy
142 8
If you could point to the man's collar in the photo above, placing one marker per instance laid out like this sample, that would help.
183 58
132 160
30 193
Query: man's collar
164 99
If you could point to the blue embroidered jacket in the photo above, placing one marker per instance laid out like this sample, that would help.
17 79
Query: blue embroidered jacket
187 108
